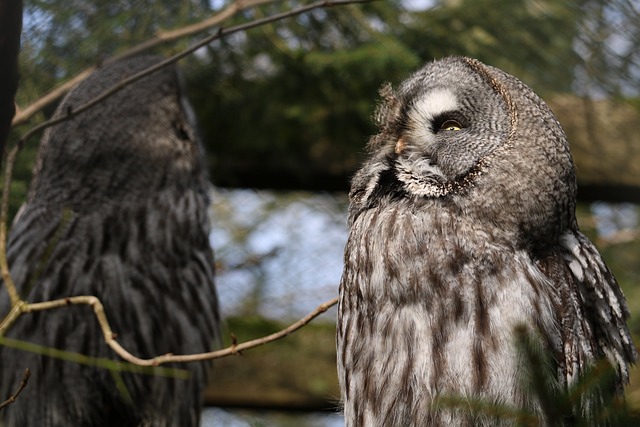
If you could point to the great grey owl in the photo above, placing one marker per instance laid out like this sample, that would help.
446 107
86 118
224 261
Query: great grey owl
118 208
462 228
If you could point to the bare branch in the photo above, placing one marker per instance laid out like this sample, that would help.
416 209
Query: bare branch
20 307
172 59
11 317
165 36
110 337
26 113
14 396
236 349
115 366
4 208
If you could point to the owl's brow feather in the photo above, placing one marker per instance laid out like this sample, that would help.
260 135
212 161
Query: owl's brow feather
482 70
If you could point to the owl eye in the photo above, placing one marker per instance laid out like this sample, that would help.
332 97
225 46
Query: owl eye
450 125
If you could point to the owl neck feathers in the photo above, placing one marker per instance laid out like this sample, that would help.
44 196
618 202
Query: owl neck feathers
432 184
400 179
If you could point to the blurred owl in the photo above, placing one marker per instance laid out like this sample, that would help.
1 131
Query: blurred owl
462 228
118 208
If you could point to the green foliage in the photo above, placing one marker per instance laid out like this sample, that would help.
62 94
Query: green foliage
115 366
591 401
296 98
297 371
301 110
531 40
293 99
66 36
62 37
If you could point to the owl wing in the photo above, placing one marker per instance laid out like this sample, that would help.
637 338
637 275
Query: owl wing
604 309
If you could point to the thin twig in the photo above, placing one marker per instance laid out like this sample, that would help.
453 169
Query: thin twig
25 113
236 349
4 208
114 366
14 396
219 34
110 337
20 307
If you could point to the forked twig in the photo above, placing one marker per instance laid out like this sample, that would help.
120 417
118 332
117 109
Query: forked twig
20 307
110 337
22 115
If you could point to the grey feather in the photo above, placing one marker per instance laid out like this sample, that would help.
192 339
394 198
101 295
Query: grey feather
462 229
117 209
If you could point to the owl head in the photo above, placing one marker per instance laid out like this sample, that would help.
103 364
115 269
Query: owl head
139 140
461 135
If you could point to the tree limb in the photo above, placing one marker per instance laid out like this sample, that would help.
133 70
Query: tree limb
11 399
20 307
172 59
110 337
27 112
4 209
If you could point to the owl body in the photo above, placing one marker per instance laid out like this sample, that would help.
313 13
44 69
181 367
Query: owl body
117 209
462 229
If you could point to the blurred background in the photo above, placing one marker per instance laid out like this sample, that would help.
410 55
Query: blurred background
285 111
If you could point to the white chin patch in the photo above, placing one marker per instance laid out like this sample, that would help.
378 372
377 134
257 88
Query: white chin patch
419 177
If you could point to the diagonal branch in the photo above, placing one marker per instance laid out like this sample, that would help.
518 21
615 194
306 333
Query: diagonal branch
114 366
20 307
162 37
235 349
110 337
4 209
172 59
11 399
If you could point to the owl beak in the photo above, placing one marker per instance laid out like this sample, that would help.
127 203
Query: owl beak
400 145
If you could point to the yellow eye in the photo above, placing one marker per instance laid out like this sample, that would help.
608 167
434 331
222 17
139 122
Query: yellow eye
451 125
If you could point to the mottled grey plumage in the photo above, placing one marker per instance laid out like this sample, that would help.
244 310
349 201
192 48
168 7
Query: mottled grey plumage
117 209
463 228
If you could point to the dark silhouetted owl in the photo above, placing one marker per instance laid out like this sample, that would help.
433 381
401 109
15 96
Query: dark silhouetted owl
462 228
117 209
